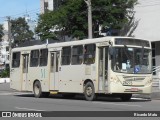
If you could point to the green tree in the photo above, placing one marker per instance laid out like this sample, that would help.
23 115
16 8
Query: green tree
5 73
1 32
20 31
71 18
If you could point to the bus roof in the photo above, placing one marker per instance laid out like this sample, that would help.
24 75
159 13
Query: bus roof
69 43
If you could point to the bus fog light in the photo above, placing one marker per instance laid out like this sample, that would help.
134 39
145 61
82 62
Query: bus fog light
114 79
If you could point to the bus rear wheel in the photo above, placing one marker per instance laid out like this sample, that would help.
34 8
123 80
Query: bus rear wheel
125 97
89 91
38 90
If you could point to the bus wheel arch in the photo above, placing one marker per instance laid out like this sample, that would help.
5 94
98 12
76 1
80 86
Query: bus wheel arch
89 90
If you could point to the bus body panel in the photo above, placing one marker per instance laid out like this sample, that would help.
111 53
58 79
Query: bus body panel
72 77
40 74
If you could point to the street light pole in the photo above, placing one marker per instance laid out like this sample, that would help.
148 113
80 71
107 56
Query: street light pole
90 35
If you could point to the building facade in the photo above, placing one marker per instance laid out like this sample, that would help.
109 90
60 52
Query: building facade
43 6
51 5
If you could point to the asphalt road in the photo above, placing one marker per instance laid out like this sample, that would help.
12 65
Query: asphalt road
19 101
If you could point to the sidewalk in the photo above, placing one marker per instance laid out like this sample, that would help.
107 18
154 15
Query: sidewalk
152 96
4 80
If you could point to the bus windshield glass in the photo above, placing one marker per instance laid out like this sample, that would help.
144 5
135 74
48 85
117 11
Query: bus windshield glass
131 60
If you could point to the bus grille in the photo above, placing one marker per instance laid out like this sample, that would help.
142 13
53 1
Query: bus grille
133 78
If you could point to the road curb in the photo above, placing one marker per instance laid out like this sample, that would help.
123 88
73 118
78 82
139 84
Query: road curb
153 96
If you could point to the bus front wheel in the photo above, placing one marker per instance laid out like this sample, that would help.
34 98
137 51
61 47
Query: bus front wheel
89 91
125 97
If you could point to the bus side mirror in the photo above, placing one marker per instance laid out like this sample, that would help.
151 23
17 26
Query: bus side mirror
111 51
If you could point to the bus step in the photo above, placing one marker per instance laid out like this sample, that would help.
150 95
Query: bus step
53 92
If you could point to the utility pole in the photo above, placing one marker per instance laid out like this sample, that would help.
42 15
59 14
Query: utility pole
9 36
88 2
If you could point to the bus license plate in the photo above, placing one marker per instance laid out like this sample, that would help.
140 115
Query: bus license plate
134 89
127 83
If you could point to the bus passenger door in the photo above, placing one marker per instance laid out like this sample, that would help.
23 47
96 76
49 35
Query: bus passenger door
54 71
103 68
25 71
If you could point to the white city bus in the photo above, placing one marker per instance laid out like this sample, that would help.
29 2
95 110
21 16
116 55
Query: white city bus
108 65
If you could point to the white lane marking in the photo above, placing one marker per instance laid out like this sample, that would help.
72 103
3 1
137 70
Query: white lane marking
119 104
28 109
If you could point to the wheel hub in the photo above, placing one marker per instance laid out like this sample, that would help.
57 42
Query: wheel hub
89 91
36 89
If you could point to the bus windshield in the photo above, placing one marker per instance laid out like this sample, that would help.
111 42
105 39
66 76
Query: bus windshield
131 60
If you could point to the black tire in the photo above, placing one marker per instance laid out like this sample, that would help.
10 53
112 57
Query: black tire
125 97
89 91
37 90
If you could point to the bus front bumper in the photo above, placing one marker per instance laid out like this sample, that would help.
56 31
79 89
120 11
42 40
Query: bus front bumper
119 88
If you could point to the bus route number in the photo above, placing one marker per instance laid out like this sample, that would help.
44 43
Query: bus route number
127 83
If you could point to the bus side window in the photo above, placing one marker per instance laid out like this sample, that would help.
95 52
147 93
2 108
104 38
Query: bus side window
43 57
89 54
77 55
66 55
34 58
15 59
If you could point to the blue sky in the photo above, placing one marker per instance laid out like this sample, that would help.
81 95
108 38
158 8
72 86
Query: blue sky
17 8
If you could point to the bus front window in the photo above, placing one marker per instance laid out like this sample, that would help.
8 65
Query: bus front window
131 60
